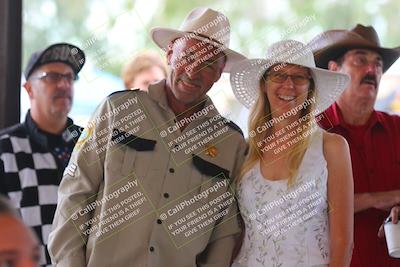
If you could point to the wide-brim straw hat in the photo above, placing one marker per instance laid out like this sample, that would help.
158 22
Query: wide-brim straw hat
202 24
245 76
332 44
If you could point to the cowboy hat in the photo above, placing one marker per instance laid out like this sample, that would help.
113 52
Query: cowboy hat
334 43
203 24
245 76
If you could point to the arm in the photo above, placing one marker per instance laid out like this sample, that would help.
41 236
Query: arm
218 253
340 199
239 241
378 200
67 244
225 236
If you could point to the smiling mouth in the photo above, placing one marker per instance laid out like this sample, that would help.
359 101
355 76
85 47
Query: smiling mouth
286 98
189 84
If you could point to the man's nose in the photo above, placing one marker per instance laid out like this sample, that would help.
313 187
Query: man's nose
193 69
64 82
372 68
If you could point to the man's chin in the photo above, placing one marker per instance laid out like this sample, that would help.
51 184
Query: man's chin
184 96
187 90
185 100
61 112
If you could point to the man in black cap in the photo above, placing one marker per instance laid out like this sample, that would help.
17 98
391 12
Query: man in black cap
373 136
33 154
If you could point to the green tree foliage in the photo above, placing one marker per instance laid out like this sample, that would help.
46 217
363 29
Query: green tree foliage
111 31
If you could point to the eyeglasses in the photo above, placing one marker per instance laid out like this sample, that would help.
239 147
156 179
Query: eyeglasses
362 61
280 77
55 77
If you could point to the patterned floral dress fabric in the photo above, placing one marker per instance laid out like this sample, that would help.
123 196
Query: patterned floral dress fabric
286 226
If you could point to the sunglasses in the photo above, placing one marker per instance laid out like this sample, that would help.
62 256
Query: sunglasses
280 77
55 77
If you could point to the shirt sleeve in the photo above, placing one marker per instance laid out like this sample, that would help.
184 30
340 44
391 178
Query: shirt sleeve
80 184
225 235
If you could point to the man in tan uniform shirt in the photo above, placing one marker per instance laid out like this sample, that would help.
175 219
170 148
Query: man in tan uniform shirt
150 180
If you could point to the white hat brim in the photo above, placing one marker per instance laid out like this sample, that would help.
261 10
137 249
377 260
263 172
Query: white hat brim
245 81
164 36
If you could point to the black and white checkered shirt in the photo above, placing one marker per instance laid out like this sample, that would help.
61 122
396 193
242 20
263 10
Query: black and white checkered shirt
31 167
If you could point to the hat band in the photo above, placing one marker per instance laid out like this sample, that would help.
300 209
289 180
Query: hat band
193 35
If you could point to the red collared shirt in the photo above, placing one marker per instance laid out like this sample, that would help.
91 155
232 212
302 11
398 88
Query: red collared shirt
375 157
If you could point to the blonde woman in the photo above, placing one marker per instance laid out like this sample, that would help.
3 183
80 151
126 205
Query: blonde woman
295 190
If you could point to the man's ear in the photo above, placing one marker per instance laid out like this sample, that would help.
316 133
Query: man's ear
333 66
28 88
221 69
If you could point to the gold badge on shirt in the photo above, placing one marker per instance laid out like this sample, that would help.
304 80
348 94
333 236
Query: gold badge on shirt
211 151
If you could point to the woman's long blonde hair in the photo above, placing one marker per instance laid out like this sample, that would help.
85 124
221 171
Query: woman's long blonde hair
259 115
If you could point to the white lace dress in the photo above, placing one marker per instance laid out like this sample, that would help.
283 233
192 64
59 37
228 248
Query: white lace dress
286 226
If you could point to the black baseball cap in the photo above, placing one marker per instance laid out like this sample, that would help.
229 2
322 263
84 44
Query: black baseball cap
60 52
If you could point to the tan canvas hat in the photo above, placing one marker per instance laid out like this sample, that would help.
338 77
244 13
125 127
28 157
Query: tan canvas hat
332 44
202 24
245 76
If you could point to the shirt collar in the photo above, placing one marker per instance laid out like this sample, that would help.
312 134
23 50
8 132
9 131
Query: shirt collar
337 119
335 115
156 92
41 137
381 120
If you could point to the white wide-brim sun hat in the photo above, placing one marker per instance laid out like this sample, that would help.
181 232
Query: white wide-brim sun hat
245 76
203 24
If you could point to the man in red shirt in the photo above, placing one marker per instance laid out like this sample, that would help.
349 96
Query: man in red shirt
373 136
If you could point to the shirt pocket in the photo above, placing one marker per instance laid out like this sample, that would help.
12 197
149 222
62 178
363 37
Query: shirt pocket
128 161
209 179
137 154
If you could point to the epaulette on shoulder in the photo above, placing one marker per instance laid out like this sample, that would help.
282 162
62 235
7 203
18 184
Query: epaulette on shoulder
123 91
235 127
17 129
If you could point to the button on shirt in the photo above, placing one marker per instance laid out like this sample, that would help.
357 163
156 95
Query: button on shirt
375 156
139 200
